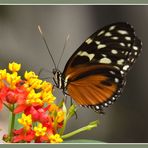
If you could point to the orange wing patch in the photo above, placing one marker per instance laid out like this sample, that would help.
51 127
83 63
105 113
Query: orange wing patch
91 90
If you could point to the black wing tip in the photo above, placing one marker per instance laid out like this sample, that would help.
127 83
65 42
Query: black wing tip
120 24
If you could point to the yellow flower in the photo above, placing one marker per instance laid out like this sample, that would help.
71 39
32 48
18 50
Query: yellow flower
55 138
3 74
40 130
60 116
34 97
12 79
57 113
48 97
35 83
29 75
26 121
53 108
14 67
46 86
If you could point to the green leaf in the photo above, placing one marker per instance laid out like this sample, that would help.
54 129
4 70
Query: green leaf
71 111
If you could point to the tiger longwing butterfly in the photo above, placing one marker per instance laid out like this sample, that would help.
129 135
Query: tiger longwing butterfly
95 74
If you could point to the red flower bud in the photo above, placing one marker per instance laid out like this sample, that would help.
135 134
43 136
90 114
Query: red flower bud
6 138
11 97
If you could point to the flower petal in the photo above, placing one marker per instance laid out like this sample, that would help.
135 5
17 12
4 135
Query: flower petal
20 108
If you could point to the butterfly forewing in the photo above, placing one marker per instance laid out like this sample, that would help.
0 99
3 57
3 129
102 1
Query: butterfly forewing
95 73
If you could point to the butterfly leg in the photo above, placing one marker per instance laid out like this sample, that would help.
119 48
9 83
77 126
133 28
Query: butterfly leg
66 94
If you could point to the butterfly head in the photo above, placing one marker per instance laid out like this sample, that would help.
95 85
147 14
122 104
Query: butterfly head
57 78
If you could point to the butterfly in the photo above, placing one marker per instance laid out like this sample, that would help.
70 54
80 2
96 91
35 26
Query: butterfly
95 74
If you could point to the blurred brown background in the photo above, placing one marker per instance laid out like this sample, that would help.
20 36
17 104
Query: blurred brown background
124 121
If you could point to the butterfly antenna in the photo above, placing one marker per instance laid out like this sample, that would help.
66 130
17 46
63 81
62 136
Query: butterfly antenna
40 30
65 45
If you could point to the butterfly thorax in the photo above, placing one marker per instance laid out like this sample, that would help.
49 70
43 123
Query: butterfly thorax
59 79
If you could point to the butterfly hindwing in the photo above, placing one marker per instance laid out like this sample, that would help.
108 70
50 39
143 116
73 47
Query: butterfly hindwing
96 72
96 86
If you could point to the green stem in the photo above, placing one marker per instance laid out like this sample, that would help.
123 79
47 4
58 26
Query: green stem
64 126
12 122
85 128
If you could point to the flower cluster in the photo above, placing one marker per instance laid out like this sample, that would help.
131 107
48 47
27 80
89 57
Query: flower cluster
35 118
32 98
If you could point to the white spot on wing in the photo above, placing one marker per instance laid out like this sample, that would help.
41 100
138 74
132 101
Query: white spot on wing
115 38
122 44
113 98
100 33
104 55
116 67
126 53
109 102
112 28
132 60
108 34
89 40
122 72
97 42
97 107
119 91
122 32
129 45
113 51
135 47
105 61
112 72
128 59
105 104
84 53
128 38
125 67
101 46
130 53
116 80
120 62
